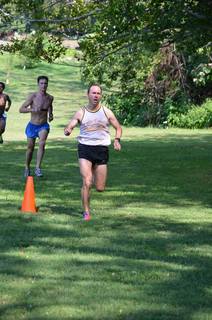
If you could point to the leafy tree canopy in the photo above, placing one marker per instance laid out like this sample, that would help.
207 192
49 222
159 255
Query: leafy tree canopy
122 42
114 24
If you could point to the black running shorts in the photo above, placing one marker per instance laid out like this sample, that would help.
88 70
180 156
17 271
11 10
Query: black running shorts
95 154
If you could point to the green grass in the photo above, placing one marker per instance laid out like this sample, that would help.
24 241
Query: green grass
146 253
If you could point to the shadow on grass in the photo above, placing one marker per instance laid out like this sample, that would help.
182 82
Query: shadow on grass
137 268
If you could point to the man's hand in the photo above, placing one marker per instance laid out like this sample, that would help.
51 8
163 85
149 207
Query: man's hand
117 145
51 117
67 131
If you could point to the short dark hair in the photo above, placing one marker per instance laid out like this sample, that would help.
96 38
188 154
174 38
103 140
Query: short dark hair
3 85
42 77
92 85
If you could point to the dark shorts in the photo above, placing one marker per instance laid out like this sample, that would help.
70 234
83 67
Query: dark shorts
32 130
3 117
95 154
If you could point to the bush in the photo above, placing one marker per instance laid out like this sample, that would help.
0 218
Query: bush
138 109
127 109
197 117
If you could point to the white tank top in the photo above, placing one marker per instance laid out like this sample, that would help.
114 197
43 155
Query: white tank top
94 128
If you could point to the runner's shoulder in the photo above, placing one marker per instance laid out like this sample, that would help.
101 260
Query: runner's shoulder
50 96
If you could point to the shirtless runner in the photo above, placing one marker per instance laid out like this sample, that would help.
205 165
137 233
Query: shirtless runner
5 103
39 104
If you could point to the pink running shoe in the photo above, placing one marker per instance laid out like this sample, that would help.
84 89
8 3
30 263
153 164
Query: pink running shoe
86 216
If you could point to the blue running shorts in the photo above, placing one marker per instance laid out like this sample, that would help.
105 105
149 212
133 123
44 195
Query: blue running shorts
32 130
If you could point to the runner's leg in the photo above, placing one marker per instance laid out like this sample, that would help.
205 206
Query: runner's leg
2 125
43 134
29 152
2 129
87 177
100 176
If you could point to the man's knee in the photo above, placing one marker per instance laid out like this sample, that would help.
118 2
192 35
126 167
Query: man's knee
30 147
2 129
87 183
100 189
42 144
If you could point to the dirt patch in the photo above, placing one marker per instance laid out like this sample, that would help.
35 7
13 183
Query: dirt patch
72 44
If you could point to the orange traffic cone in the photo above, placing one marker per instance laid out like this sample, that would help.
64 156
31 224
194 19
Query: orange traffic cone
28 203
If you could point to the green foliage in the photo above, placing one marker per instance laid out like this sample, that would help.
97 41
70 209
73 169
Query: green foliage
126 109
121 47
197 117
118 55
202 74
35 47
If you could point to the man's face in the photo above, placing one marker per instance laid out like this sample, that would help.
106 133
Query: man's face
43 84
94 95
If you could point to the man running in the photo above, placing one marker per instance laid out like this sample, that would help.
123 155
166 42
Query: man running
5 103
39 105
94 139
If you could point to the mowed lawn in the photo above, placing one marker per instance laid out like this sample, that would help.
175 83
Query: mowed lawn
145 255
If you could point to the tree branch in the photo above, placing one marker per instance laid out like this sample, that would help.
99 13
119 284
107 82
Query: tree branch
86 15
112 52
196 15
6 14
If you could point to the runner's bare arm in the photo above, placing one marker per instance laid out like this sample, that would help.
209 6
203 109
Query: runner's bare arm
9 102
50 110
73 122
116 125
27 105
